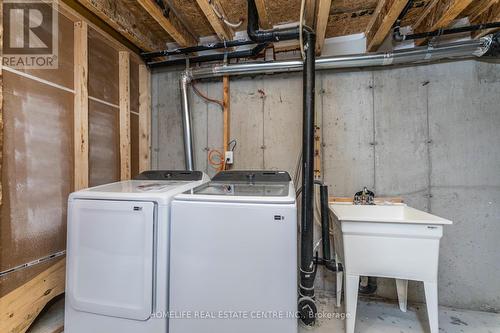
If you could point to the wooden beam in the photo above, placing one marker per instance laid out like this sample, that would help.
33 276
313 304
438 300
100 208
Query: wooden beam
124 92
20 307
226 103
117 16
310 12
321 23
222 30
171 25
144 118
1 103
264 20
383 19
81 107
439 14
491 15
478 8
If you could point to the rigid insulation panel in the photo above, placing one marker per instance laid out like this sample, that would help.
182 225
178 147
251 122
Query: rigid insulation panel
103 69
37 174
63 75
104 144
134 144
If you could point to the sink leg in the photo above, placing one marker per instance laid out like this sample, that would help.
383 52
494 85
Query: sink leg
402 288
339 288
431 298
351 301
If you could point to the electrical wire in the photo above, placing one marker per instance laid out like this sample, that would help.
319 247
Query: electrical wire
205 97
301 26
218 164
223 18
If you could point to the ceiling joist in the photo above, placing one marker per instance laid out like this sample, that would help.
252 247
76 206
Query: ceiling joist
264 21
120 19
322 22
478 8
171 25
221 29
439 14
383 19
491 15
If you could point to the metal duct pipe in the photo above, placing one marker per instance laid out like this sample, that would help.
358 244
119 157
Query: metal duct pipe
186 122
405 56
472 48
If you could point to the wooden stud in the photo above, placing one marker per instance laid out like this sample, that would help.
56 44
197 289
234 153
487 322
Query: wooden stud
1 104
478 8
321 23
264 21
383 19
171 25
439 14
124 91
144 118
20 307
492 15
116 16
226 110
81 107
222 30
310 12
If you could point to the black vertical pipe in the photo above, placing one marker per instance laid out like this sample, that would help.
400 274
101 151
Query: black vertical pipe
307 270
325 223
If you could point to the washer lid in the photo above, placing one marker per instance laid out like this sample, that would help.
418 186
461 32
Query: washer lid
262 192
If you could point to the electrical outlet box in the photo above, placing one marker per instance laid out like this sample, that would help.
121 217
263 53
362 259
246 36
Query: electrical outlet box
228 157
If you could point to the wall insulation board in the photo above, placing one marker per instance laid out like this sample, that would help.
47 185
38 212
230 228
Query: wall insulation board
37 166
37 170
104 146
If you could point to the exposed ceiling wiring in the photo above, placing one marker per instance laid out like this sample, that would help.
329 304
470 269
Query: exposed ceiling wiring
301 26
222 17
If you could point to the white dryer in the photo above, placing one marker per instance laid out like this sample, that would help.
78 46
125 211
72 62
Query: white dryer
117 253
233 255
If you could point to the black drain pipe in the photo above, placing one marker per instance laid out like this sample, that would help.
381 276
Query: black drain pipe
306 307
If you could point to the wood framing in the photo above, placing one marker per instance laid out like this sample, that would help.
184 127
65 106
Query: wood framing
118 17
226 99
144 118
478 8
223 31
124 92
20 307
172 25
383 19
491 15
439 14
81 107
310 12
1 104
321 23
264 20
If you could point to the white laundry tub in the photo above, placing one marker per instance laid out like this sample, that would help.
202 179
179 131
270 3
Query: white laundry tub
394 241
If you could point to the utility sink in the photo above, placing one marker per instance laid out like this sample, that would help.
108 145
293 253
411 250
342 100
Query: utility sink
392 241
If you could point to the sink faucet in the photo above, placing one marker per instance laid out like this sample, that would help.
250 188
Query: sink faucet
364 197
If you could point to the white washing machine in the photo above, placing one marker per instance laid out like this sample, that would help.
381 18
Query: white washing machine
233 255
117 253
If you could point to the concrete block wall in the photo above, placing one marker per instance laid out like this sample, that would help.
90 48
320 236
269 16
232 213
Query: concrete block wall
428 133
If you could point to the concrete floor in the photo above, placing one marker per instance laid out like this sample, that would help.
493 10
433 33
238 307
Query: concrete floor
375 316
